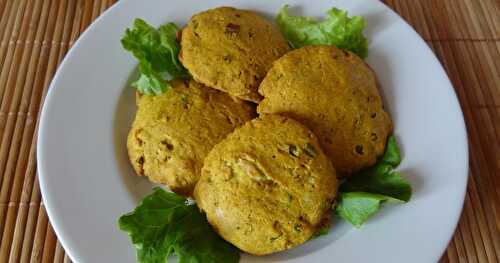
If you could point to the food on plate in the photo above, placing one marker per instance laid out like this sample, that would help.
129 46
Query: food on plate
337 29
335 94
322 145
231 50
156 50
268 186
174 131
361 195
165 224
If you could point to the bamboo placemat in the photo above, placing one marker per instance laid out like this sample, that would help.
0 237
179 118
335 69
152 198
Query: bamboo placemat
36 34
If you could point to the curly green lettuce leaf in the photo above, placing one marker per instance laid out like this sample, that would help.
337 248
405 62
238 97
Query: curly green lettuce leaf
392 155
163 225
156 50
383 181
358 207
362 193
380 178
337 29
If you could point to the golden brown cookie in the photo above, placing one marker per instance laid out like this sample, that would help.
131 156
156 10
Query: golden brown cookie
268 186
335 94
231 50
173 132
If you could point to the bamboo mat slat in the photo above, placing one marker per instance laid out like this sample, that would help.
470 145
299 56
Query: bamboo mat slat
36 34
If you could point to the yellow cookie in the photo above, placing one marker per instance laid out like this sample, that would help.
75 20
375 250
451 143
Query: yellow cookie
335 94
173 132
231 50
268 186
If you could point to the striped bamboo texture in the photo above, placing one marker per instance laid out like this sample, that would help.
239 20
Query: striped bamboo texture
36 34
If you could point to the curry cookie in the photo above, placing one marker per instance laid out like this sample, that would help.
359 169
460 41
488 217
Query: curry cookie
173 132
335 94
231 50
268 186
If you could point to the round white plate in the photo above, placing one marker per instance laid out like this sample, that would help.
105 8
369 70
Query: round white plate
87 182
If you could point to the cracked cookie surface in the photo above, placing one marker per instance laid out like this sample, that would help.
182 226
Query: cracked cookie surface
173 132
335 94
231 50
268 186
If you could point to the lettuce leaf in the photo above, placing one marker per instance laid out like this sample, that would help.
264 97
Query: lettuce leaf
156 50
392 155
357 207
337 29
381 179
362 193
163 225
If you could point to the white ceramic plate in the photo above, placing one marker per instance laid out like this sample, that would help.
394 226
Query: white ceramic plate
87 183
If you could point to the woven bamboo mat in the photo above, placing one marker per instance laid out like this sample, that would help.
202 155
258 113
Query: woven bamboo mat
36 34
